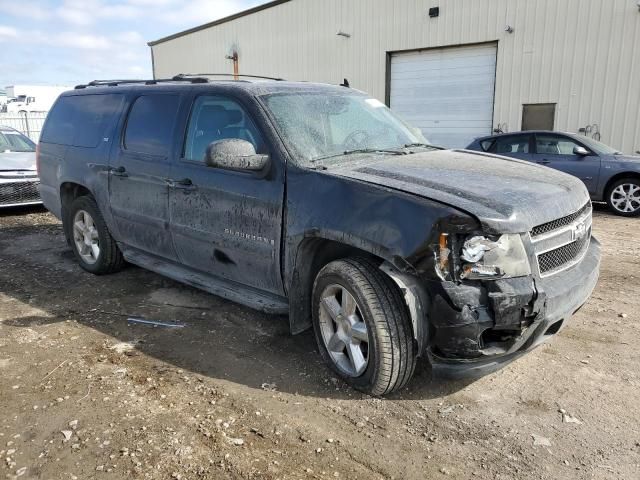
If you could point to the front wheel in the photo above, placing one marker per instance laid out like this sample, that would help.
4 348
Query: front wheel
94 247
362 326
623 197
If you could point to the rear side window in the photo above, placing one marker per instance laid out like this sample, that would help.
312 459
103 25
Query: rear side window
150 124
58 127
486 144
82 120
515 144
95 119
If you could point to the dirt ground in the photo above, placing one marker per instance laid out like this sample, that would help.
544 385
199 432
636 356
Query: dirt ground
84 394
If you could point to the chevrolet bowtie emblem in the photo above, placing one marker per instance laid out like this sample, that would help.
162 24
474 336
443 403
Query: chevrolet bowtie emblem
579 231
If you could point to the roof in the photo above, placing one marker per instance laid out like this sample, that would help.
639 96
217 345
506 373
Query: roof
524 132
253 88
220 21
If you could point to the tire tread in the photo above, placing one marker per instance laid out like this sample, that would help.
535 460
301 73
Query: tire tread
393 330
112 260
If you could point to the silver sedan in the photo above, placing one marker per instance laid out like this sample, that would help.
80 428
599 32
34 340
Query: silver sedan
18 175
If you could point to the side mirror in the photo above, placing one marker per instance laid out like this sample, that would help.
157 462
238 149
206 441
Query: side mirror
235 154
581 151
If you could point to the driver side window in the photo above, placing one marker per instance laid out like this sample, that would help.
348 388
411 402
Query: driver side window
554 145
216 118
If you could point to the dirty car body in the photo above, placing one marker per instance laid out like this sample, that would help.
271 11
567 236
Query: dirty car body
18 176
488 258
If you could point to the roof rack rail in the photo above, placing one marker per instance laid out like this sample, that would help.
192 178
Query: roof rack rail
184 76
155 81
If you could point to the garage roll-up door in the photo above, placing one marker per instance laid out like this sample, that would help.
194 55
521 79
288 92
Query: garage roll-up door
448 92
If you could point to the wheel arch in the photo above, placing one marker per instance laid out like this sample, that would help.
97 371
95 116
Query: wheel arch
69 191
615 178
313 253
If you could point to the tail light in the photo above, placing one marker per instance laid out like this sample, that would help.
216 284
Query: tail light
38 158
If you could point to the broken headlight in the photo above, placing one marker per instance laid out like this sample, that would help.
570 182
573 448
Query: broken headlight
486 258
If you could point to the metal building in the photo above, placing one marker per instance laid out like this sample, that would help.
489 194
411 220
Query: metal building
455 68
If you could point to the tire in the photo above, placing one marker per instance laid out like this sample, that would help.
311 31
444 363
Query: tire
390 351
628 206
108 258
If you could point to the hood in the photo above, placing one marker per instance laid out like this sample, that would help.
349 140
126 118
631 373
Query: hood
10 161
626 158
506 195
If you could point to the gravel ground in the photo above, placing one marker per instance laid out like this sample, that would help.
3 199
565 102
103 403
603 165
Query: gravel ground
232 395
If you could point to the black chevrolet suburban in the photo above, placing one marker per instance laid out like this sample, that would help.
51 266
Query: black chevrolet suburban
316 201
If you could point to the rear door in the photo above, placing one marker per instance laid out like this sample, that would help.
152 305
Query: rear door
556 151
138 173
516 146
227 223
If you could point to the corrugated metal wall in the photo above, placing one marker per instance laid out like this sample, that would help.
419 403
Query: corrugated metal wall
583 55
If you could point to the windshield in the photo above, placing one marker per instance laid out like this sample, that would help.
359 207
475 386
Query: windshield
318 126
15 142
598 147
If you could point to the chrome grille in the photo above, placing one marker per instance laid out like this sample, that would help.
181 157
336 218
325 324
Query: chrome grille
16 193
555 259
560 222
562 243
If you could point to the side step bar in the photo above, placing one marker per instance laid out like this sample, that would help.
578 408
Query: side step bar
227 289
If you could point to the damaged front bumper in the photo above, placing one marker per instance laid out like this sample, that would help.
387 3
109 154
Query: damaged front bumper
478 327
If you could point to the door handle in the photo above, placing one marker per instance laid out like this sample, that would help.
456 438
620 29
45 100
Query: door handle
99 167
119 171
544 162
184 184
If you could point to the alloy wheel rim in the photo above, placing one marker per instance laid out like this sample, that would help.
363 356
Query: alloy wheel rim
625 198
343 330
85 237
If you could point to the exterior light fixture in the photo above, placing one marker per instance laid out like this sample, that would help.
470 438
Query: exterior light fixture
509 28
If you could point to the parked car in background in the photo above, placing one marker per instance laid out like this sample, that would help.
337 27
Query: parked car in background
609 175
317 201
32 98
18 176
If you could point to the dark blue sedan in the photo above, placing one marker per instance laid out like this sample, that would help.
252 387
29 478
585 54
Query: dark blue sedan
609 175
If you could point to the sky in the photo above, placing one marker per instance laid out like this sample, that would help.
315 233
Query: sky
67 42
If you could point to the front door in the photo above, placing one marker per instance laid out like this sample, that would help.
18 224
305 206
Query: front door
227 223
556 151
138 173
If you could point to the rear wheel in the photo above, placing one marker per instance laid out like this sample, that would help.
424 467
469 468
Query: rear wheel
94 247
362 326
623 197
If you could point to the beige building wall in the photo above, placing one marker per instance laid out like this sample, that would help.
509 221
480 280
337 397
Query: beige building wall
583 55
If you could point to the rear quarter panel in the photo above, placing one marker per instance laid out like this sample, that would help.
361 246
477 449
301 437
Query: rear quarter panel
51 159
86 166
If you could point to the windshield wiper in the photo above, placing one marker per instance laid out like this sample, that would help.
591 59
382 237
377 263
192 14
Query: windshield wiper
361 150
426 145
